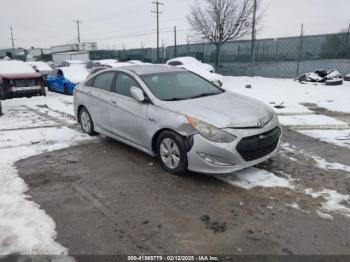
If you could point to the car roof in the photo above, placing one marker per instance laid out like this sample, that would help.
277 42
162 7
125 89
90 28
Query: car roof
151 69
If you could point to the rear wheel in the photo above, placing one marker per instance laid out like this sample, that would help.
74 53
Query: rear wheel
172 153
3 94
86 122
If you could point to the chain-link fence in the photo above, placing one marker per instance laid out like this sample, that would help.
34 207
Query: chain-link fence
281 57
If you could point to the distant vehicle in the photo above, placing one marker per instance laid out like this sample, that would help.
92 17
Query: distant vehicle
138 62
186 121
65 79
18 79
347 77
105 62
41 67
191 64
59 58
98 69
67 63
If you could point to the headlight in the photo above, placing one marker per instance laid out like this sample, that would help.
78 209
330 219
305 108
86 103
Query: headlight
210 132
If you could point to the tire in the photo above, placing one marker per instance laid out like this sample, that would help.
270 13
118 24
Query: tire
43 91
3 94
49 87
172 154
65 90
86 122
334 82
0 109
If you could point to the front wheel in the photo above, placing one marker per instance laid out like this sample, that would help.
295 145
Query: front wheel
43 91
172 153
86 122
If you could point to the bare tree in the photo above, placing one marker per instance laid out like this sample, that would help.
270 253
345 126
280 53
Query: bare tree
219 21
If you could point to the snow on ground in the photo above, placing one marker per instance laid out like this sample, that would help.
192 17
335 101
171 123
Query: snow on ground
291 93
252 177
311 120
336 137
26 228
334 202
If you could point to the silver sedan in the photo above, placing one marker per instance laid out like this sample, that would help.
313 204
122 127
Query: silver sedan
179 117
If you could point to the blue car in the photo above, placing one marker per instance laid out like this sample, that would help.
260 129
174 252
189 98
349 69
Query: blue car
65 79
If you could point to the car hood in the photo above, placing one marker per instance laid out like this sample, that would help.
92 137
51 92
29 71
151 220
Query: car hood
224 110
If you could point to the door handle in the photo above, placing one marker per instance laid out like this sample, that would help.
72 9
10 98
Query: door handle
113 102
89 92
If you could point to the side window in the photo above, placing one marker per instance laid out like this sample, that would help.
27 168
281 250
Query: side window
124 84
104 81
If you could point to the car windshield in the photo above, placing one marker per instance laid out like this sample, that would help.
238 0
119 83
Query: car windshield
176 86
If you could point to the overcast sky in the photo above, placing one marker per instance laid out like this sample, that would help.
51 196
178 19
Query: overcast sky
114 23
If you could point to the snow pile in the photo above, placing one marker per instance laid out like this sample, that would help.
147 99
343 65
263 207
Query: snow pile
15 67
252 177
291 93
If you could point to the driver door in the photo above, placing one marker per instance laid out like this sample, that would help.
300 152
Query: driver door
128 116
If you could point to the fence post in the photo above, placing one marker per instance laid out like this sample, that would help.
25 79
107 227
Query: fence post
300 49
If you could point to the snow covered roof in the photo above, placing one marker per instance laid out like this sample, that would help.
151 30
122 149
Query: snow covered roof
15 67
75 74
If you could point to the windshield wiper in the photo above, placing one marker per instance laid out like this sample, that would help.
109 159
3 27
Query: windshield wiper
174 99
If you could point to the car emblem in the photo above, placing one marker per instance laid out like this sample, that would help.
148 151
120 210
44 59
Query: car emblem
260 124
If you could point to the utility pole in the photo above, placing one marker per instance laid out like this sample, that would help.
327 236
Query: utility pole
12 39
78 28
157 12
300 48
254 31
175 42
348 37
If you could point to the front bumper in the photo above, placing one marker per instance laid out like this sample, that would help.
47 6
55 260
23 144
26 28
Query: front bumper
221 158
24 91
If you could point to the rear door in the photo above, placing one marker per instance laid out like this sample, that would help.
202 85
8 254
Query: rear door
100 97
128 116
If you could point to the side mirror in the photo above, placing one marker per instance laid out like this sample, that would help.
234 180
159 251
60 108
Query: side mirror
138 94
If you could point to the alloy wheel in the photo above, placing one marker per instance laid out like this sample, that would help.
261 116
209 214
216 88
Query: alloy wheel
170 153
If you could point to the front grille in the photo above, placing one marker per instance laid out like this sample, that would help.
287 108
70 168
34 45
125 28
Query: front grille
258 146
25 82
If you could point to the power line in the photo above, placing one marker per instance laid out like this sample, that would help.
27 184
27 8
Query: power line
78 28
157 12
